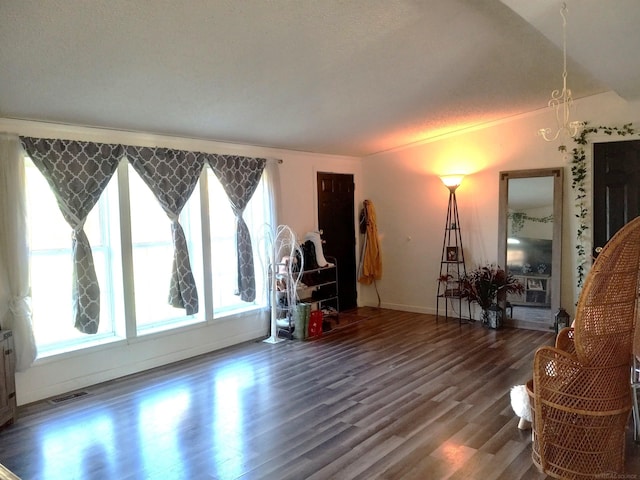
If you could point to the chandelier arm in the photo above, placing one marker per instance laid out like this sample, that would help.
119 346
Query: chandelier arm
561 100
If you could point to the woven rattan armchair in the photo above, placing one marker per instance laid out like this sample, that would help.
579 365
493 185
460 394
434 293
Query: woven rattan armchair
580 393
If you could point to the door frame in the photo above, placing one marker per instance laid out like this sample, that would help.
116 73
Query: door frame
570 206
358 199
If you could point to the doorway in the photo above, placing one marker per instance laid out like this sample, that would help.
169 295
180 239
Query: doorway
616 193
336 207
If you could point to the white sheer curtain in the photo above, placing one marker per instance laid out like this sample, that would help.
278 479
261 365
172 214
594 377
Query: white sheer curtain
272 177
15 291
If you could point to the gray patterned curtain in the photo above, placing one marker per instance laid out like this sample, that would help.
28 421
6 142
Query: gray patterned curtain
240 177
78 173
172 175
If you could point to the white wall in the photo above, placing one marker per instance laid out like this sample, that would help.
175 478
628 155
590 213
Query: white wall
55 375
411 202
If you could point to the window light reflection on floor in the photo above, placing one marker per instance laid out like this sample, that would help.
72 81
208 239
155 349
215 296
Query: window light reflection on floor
231 387
159 420
74 447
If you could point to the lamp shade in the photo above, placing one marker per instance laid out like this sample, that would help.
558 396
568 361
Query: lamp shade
452 181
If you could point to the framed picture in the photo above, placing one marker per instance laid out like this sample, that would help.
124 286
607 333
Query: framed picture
534 284
452 254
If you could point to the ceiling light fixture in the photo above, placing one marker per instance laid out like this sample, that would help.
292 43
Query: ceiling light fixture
561 101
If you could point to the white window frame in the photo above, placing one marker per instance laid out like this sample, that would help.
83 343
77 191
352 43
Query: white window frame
115 205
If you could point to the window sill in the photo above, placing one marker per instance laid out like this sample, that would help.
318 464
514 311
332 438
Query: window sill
47 355
108 342
172 326
223 315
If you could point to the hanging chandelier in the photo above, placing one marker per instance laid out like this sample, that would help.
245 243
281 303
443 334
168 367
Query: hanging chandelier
561 101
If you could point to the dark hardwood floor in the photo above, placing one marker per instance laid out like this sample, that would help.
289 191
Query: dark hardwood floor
389 395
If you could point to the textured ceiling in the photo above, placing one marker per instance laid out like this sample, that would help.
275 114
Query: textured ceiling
343 77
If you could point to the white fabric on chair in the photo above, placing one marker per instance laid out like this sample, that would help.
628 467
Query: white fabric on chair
521 405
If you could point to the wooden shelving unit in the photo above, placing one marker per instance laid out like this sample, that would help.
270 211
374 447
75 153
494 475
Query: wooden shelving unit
7 378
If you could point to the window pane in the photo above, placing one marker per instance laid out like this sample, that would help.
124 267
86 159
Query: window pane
153 255
223 245
52 263
47 226
258 218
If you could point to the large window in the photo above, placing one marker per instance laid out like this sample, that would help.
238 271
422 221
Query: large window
152 252
148 257
51 266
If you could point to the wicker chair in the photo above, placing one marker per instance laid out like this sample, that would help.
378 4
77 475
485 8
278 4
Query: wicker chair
580 392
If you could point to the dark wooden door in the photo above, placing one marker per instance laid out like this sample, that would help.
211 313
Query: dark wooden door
616 193
336 220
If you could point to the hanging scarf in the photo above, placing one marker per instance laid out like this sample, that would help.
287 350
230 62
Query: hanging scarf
371 259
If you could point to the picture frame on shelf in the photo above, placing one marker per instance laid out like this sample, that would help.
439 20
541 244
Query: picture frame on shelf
535 284
452 254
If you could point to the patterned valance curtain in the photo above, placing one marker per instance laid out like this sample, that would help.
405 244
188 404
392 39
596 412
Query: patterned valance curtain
78 173
240 177
172 175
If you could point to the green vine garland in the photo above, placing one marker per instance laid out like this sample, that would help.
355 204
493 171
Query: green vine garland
578 181
519 218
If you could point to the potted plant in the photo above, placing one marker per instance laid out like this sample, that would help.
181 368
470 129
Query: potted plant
483 285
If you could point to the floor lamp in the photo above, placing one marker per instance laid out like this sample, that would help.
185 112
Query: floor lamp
452 266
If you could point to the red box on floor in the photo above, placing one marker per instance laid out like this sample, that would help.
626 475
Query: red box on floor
315 324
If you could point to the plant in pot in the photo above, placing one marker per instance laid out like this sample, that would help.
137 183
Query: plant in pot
483 285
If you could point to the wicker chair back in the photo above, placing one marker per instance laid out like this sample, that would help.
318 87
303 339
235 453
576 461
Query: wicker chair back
580 393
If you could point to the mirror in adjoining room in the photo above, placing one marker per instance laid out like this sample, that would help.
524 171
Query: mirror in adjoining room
530 244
